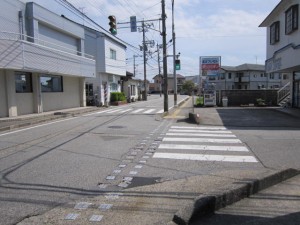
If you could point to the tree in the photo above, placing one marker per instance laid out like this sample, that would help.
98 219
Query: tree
188 87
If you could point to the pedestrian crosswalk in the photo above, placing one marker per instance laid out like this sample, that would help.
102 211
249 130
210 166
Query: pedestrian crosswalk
133 111
211 143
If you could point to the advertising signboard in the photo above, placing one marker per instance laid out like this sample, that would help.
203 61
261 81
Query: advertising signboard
210 65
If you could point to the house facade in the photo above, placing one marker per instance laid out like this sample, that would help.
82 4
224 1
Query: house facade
283 44
132 87
110 55
158 83
43 63
247 77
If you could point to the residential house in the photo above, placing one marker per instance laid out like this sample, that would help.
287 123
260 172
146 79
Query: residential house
43 63
158 83
110 55
283 46
132 87
246 77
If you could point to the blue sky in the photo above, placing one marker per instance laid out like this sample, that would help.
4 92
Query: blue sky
226 28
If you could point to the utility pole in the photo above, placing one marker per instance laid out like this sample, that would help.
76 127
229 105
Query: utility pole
159 71
174 56
165 68
144 55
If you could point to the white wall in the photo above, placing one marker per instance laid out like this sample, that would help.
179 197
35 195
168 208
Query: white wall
3 101
69 98
117 66
24 103
288 57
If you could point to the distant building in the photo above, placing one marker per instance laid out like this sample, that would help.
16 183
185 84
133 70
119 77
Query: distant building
283 46
246 77
158 83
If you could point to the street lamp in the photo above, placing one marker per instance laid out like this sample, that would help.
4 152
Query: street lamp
174 57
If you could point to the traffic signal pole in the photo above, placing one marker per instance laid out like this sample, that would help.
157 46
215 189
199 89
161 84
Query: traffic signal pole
145 62
165 68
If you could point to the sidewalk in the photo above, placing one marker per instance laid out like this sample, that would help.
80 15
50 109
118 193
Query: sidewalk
171 202
277 205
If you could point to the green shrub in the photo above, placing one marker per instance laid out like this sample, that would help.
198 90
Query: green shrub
200 101
260 102
117 96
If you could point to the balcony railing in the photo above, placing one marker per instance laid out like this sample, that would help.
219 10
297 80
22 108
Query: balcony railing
242 79
28 53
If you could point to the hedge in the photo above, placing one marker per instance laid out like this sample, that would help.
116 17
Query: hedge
117 96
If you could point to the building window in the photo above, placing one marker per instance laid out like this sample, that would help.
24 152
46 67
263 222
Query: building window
23 82
113 87
274 33
50 83
291 19
229 75
272 77
285 76
113 54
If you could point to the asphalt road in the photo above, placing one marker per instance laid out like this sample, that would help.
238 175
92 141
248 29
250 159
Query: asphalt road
53 164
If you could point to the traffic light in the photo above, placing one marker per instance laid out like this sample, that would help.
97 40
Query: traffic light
113 25
177 64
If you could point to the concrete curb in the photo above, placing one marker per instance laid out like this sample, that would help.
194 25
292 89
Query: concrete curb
37 119
172 109
206 204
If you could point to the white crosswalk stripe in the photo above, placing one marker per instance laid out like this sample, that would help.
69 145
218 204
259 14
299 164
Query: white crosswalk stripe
203 143
134 111
149 110
201 135
204 147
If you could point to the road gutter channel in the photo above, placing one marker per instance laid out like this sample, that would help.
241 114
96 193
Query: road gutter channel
207 204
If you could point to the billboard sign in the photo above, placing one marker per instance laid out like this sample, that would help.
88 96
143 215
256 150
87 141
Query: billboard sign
210 65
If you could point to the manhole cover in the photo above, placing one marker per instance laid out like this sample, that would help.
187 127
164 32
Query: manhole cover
116 127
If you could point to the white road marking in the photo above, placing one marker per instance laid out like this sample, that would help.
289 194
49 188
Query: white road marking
138 110
200 128
126 110
113 111
149 110
160 111
200 131
197 157
204 147
201 135
209 140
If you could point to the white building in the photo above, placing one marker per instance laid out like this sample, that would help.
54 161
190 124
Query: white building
110 55
283 44
43 64
247 77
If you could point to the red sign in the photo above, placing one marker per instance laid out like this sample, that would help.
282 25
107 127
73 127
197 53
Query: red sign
210 67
